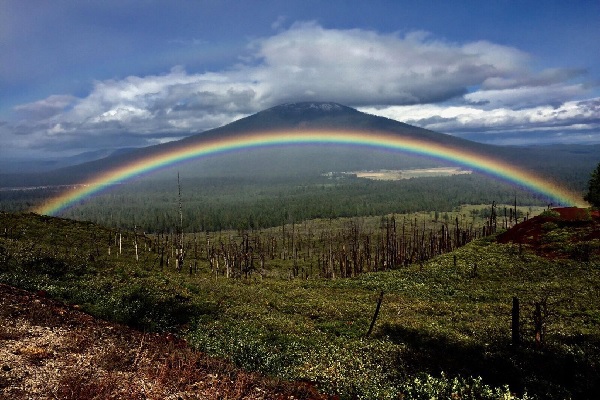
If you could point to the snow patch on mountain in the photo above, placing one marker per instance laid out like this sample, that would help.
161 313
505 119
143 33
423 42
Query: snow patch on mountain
316 106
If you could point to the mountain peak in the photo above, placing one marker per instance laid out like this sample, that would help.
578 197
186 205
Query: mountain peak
310 106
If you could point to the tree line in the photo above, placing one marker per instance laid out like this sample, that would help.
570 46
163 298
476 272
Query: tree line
211 205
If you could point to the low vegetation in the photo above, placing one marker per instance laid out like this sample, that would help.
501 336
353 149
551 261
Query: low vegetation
52 351
444 327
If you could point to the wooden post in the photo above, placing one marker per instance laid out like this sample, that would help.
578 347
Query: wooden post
538 323
376 314
516 338
135 244
180 252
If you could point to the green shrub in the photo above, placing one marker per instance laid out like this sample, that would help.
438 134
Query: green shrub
359 369
550 213
426 386
549 226
557 236
582 251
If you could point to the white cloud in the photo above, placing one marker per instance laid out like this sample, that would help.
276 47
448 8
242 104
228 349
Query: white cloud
527 96
175 101
278 23
364 67
45 108
482 85
571 115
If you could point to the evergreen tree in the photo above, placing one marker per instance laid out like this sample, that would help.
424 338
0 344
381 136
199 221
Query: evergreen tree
593 194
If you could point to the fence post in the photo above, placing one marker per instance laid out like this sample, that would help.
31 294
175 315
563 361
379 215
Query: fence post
376 313
516 339
538 321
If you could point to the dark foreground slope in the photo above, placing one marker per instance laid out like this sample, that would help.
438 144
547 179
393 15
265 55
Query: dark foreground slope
49 350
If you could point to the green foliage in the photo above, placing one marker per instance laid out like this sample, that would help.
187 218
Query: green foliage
426 386
581 250
593 194
250 347
436 316
550 214
556 235
142 306
362 369
549 226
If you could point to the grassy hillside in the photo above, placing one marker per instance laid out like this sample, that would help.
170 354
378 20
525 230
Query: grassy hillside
54 351
443 323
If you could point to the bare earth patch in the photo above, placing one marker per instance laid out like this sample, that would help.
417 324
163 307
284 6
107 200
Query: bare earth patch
571 233
398 174
51 351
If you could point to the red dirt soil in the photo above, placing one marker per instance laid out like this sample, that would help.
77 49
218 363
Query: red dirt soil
577 225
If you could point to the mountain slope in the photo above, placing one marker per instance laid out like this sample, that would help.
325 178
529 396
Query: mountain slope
327 115
306 159
27 165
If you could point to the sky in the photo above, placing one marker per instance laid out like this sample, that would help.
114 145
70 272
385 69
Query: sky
79 76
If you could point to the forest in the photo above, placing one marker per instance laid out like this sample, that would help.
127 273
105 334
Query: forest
213 204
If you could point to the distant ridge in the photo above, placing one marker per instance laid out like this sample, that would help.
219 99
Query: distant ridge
26 165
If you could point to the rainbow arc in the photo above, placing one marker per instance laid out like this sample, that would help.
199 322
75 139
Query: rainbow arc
378 140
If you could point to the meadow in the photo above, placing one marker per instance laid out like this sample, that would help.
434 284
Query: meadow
443 329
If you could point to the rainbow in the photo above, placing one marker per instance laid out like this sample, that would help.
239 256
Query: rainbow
379 140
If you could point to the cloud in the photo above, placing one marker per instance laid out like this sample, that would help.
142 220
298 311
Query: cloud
278 23
550 76
364 67
527 96
482 86
45 108
571 116
169 102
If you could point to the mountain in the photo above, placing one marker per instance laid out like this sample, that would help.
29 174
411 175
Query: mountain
328 115
572 163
